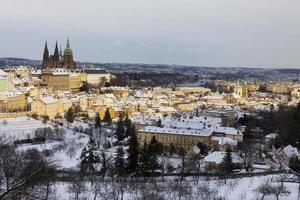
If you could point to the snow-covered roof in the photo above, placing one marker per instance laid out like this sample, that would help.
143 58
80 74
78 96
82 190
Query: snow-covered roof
60 71
218 156
271 136
48 100
154 129
224 140
227 130
290 151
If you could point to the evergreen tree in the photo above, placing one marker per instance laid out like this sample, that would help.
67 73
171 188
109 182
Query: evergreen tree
148 161
173 149
97 121
120 132
153 161
119 163
159 123
144 166
128 126
203 148
227 161
133 151
197 112
104 164
98 131
107 118
85 87
89 157
297 112
155 146
70 115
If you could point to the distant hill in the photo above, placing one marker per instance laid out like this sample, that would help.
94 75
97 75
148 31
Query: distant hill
18 61
213 73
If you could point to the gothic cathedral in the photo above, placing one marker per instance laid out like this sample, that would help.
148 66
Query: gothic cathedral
57 60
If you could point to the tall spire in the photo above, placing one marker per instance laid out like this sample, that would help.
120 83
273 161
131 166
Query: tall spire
46 47
45 57
68 57
60 54
56 50
68 43
56 62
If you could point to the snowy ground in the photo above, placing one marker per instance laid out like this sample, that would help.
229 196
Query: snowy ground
234 189
66 153
20 127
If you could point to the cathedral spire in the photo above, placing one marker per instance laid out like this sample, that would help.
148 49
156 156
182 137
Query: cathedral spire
56 50
45 57
68 43
56 62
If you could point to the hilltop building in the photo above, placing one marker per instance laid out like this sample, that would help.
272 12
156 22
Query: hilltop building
58 60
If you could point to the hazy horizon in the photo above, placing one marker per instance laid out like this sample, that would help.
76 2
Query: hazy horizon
231 33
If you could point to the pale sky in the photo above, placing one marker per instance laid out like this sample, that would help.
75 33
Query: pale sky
246 33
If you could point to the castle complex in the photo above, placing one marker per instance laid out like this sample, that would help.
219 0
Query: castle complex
58 60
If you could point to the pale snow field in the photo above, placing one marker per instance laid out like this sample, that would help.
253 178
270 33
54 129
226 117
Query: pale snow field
235 189
20 127
76 140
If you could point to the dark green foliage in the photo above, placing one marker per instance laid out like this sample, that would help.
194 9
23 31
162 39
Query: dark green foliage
104 164
159 123
227 161
173 149
155 146
133 151
197 112
119 163
85 87
97 121
294 164
203 148
286 122
144 167
70 115
129 128
89 157
107 118
120 132
148 161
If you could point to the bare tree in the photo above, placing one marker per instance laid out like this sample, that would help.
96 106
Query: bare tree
21 172
279 190
77 188
182 190
264 189
280 158
71 151
205 192
247 152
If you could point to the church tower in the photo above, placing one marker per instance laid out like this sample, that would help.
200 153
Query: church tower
56 62
45 57
68 57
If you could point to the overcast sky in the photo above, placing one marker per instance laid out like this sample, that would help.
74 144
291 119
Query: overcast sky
246 33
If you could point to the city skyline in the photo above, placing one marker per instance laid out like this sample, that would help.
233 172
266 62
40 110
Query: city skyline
207 33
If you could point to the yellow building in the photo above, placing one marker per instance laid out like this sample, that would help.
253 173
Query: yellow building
179 137
61 79
120 92
46 106
56 79
15 101
63 105
74 81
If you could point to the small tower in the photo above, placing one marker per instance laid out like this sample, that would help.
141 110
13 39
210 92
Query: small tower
60 55
45 57
68 57
56 62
